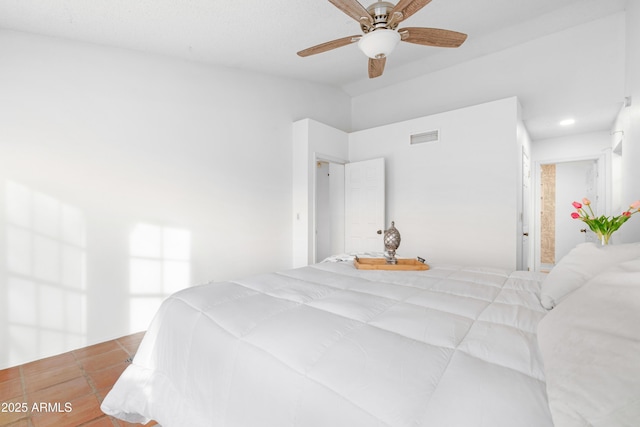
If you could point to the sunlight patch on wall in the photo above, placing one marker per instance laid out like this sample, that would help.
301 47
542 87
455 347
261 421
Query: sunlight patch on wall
159 266
46 277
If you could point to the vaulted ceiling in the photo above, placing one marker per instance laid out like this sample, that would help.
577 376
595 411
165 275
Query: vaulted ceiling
265 35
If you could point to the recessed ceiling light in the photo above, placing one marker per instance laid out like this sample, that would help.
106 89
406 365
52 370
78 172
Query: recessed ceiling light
567 122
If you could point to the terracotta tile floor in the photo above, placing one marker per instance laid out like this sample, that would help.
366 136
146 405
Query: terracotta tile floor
79 379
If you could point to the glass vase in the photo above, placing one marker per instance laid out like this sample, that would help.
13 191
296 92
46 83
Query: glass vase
604 238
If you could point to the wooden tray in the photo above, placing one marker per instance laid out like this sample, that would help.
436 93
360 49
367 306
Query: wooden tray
381 264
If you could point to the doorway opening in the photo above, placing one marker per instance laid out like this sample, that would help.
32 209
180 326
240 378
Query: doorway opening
349 206
560 184
328 218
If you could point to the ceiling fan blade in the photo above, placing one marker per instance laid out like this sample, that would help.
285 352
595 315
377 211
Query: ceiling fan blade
354 10
376 67
408 8
432 37
333 44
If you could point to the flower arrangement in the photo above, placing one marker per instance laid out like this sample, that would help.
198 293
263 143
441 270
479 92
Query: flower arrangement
603 226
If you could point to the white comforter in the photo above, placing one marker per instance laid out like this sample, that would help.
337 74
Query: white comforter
329 345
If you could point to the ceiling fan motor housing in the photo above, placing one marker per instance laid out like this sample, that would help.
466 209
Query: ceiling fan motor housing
379 11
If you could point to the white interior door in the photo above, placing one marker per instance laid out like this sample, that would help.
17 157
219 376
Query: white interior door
526 195
364 205
336 188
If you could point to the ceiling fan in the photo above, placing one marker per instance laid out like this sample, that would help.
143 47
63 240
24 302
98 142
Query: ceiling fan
379 23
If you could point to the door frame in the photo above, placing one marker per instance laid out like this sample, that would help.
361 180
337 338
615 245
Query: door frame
603 191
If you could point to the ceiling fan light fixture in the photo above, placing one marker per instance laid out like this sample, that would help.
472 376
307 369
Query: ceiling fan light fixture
379 43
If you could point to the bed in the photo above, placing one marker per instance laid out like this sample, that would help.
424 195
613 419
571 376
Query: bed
331 345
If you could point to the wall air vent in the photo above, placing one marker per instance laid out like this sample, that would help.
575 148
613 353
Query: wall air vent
425 137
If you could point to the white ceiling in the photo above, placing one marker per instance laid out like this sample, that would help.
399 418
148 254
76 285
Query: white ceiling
265 35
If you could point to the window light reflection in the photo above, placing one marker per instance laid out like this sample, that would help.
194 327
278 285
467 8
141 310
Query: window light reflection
159 266
45 276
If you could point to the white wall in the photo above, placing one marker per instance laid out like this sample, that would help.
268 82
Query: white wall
630 172
114 138
455 200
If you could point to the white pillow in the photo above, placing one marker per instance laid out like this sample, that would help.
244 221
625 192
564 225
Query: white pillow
581 264
590 345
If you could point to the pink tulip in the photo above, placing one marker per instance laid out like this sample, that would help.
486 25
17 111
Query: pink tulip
627 214
586 202
575 215
635 205
576 205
